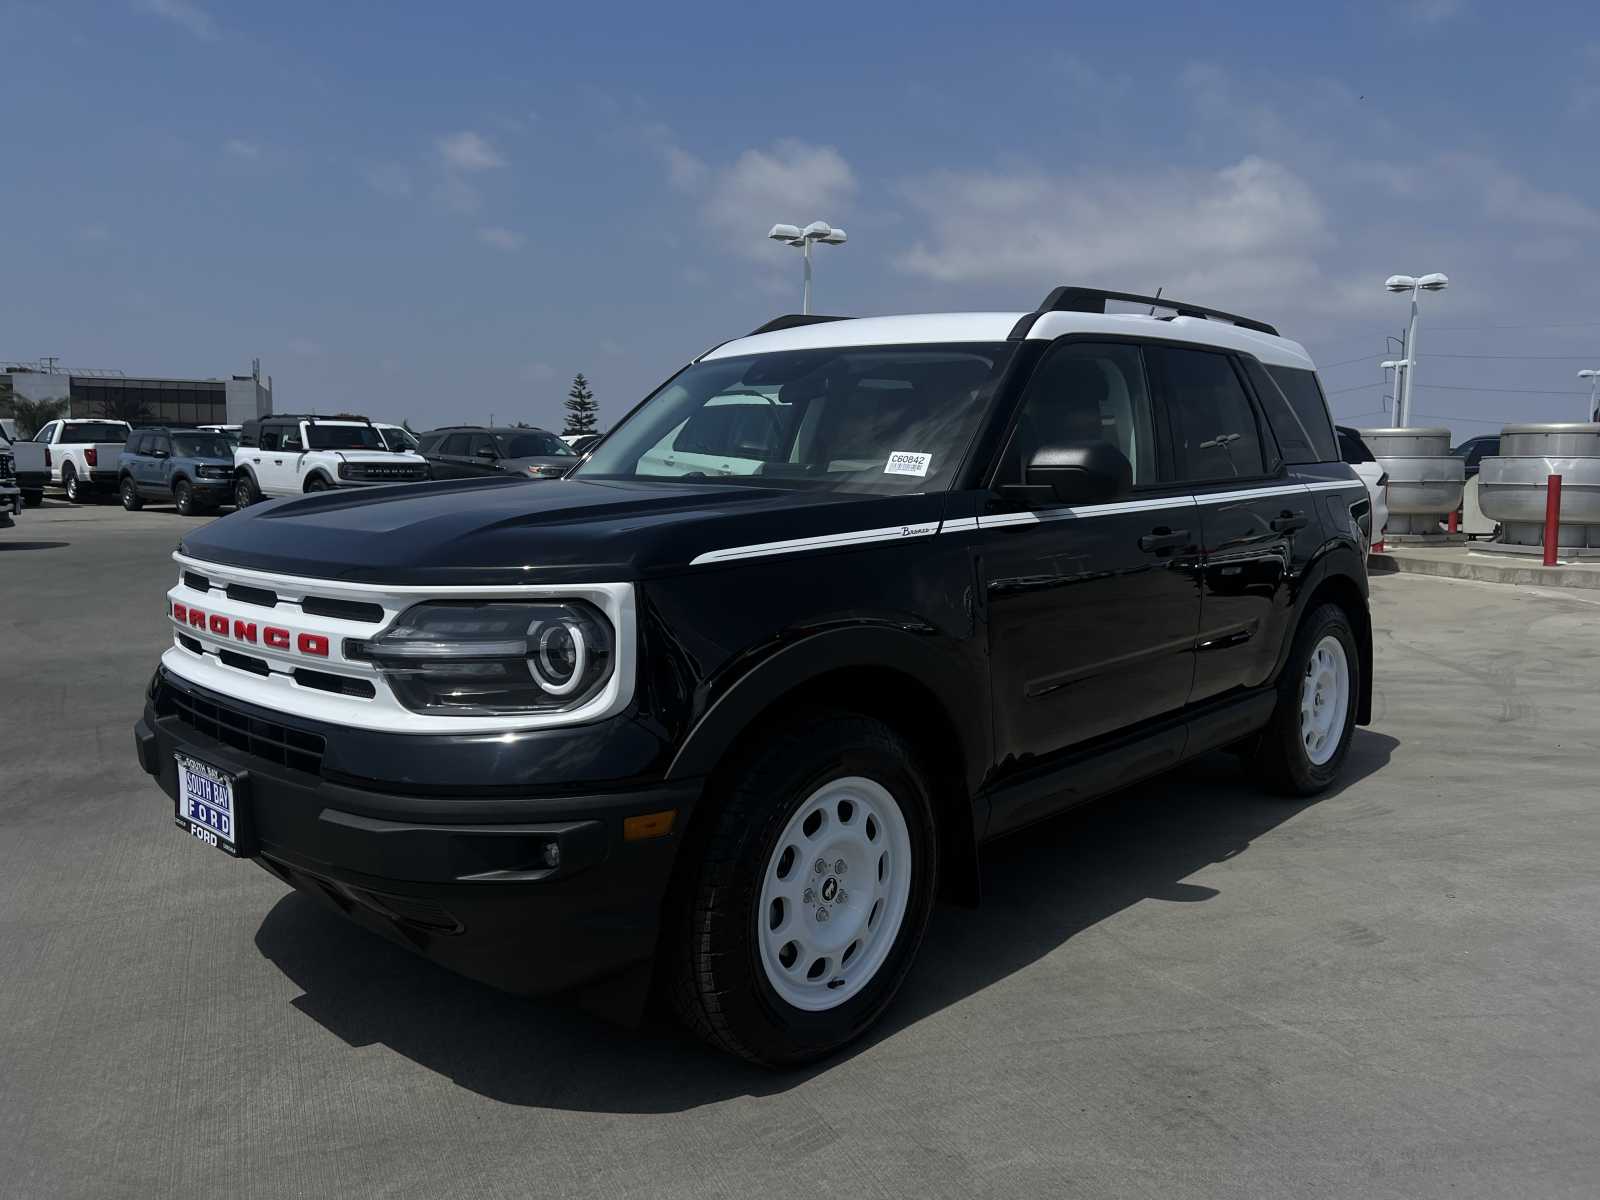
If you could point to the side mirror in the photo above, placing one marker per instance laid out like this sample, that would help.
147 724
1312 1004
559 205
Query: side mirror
487 452
1076 473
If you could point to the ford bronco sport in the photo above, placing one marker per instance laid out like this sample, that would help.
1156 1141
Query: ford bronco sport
724 734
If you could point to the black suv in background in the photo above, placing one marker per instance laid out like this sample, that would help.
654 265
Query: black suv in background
472 451
732 734
190 468
1475 449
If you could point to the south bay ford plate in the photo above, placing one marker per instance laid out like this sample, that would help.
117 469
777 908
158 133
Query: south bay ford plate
208 804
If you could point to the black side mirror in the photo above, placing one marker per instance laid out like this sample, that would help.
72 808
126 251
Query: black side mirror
1075 473
487 452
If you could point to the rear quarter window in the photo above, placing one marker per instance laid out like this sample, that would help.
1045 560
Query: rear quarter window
1292 400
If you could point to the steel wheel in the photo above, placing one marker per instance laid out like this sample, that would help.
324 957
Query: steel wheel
1324 700
833 894
74 490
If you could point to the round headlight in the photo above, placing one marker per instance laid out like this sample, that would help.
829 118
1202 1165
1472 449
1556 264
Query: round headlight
560 656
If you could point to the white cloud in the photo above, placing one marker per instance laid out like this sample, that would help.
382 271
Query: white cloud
469 151
1247 229
684 171
792 181
388 179
241 149
182 13
502 239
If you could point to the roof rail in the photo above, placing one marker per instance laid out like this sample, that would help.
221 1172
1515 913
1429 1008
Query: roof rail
1093 300
792 321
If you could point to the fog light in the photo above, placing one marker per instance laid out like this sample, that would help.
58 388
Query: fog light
552 854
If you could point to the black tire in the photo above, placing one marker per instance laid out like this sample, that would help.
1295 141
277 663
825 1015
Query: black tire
130 494
317 483
183 497
718 984
244 491
76 492
1281 760
33 499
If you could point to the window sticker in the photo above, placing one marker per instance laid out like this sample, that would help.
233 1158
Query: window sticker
907 462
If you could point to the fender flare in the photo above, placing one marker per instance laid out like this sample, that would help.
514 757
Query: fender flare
1343 560
315 473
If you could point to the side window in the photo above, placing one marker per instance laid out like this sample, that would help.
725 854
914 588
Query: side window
482 442
158 442
135 444
269 437
456 444
1296 411
1352 449
1085 392
1213 425
291 439
44 434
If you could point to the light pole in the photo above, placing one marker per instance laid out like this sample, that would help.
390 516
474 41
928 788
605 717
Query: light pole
1434 282
817 231
1398 366
1594 387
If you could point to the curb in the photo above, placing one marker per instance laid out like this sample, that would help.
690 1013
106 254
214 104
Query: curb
1389 563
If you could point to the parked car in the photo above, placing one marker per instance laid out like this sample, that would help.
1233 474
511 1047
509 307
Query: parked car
580 442
472 451
733 734
80 456
231 432
1475 449
10 493
397 437
1355 451
189 468
289 455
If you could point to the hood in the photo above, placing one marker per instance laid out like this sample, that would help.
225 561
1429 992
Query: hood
372 455
504 529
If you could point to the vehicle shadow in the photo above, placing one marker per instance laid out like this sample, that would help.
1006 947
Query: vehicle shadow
8 545
1059 879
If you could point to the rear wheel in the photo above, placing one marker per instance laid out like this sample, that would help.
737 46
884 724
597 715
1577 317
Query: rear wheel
183 497
244 492
810 901
130 495
75 490
1304 747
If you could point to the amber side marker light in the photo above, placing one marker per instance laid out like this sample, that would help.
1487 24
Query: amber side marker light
648 825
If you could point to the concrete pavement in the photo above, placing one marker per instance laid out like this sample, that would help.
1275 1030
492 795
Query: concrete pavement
1191 990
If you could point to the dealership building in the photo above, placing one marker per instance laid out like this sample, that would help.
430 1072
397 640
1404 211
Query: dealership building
102 393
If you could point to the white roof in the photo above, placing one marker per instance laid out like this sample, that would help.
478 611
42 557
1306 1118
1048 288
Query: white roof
924 328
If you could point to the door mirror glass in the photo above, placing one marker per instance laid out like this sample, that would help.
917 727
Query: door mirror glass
487 452
1079 473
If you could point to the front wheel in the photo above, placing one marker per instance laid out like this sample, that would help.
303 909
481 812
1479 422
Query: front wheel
130 495
317 483
1304 747
808 906
244 492
183 497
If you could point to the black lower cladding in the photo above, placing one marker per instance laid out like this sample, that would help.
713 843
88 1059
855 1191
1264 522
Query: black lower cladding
471 882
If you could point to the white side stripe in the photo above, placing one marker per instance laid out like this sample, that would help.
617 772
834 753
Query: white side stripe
889 533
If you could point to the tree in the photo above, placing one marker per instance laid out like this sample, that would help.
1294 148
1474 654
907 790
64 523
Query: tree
32 415
582 409
127 405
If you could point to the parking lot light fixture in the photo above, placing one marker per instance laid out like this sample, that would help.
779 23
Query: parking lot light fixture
1594 387
1401 284
802 239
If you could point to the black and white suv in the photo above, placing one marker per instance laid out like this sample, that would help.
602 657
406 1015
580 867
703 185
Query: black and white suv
730 734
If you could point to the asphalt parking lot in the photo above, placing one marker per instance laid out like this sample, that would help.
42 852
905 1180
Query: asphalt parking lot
1190 990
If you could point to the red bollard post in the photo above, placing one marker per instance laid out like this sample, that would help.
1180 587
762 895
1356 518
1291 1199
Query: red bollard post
1552 520
1455 520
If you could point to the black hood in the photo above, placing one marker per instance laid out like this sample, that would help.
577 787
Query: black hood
503 529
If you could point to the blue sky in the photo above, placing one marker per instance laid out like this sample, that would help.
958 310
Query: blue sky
438 212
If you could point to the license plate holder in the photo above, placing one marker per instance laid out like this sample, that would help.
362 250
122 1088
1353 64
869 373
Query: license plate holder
213 806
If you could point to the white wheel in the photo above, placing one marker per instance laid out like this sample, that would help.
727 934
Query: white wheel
833 894
1324 700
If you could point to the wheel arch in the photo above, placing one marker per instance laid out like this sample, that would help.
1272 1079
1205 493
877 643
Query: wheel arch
318 473
1339 577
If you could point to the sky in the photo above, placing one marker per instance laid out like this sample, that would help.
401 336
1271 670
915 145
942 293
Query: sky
443 212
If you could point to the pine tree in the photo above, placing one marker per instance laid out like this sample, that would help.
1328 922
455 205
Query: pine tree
582 410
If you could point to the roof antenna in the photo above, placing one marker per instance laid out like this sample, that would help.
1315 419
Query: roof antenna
1157 296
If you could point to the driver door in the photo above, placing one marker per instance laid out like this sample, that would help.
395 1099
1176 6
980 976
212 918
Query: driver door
1093 609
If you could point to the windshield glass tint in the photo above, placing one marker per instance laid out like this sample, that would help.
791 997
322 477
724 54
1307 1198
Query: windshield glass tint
344 437
889 419
535 445
201 445
398 439
93 431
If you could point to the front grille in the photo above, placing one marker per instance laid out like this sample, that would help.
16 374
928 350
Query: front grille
265 739
397 474
216 472
198 582
346 610
252 595
8 466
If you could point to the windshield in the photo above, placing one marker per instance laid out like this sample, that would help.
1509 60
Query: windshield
94 431
201 445
398 439
536 445
344 437
883 419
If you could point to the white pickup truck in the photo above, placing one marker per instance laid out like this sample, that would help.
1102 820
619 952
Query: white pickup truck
79 455
289 455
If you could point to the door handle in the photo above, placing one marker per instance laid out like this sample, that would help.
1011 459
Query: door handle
1163 538
1288 522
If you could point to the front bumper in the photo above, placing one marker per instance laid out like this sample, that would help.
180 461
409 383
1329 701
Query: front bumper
464 882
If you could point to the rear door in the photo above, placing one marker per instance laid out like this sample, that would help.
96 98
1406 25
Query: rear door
449 456
1250 515
1093 609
